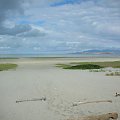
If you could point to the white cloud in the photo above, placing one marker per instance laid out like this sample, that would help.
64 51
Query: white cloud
69 27
109 29
34 32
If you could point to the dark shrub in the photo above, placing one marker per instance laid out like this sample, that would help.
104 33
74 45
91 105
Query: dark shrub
84 66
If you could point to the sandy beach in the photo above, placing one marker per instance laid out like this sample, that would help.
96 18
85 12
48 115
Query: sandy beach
39 77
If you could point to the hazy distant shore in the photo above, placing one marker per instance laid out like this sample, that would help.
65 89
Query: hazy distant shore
88 55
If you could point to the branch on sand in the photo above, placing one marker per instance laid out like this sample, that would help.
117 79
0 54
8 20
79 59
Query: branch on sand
99 101
34 99
107 116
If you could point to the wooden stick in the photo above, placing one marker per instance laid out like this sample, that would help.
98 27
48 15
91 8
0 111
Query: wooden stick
34 99
99 101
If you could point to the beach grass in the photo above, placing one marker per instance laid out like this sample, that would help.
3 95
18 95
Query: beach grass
90 65
7 66
96 70
84 66
79 66
63 65
114 64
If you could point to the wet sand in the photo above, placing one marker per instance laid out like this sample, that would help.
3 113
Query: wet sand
37 78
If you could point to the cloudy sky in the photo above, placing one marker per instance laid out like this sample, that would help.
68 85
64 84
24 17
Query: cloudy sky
58 26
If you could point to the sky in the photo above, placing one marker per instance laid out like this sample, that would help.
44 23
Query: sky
58 26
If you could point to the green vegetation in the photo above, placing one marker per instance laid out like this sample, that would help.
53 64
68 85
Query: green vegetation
97 70
90 65
64 66
7 66
83 67
114 64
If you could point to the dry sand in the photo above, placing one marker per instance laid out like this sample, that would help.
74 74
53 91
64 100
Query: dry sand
37 78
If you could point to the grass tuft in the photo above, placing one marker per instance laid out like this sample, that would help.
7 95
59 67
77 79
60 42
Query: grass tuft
84 67
64 66
7 66
114 64
90 65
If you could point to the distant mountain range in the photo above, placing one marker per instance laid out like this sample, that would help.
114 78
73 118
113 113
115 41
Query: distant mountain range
97 51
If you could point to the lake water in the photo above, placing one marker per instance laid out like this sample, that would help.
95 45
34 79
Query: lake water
56 55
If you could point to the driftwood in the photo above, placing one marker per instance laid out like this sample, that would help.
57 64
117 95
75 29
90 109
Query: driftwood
117 94
99 101
34 99
107 116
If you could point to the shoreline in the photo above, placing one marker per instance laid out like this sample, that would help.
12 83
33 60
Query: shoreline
17 56
50 60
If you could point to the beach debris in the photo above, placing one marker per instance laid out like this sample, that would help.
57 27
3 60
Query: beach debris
99 101
117 94
34 99
107 116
